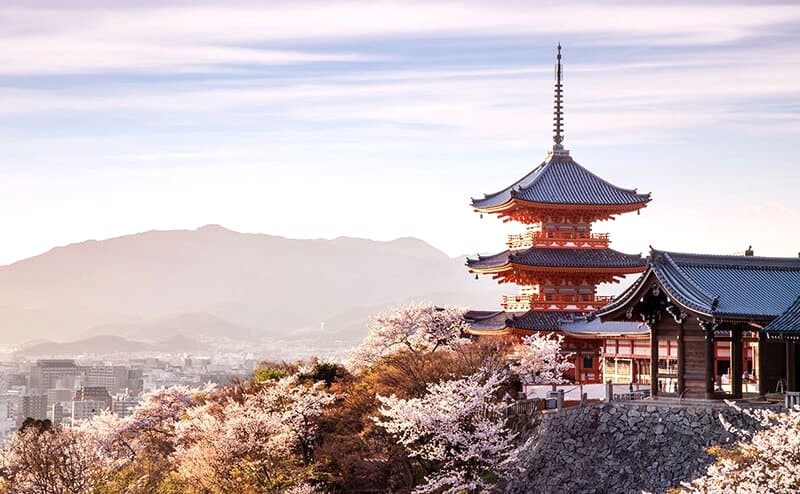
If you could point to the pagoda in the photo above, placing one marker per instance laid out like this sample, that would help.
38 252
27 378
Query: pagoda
558 260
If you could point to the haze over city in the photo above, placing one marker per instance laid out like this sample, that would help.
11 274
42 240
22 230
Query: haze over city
382 120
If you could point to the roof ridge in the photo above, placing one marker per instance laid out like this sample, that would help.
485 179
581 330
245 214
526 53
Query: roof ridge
790 316
541 170
550 163
510 188
738 261
622 297
689 281
598 177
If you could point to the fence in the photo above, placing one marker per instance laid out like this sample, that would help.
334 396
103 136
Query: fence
524 408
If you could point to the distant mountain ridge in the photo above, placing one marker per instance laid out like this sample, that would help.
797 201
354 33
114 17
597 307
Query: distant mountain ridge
216 283
109 344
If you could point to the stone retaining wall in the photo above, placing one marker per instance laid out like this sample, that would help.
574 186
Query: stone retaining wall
620 448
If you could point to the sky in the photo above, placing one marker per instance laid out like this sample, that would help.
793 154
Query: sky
381 119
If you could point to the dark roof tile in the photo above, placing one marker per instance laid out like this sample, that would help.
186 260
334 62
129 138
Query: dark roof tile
786 324
554 258
561 180
732 286
486 320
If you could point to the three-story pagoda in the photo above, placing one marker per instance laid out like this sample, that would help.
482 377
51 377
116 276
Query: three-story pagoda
558 260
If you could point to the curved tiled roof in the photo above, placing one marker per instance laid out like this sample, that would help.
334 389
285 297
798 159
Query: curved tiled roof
578 324
787 324
583 326
734 286
485 320
555 258
561 180
540 320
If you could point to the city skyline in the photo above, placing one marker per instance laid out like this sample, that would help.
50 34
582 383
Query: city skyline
381 121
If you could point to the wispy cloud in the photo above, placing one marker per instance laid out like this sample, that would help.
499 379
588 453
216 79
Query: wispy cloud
259 96
61 38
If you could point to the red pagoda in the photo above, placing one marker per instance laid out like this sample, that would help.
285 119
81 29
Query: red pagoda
558 261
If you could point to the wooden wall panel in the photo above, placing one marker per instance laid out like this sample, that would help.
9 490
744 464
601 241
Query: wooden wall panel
774 364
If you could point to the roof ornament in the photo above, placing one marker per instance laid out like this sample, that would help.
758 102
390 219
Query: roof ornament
558 118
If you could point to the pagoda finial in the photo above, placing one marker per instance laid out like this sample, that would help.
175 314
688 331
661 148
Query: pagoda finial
558 119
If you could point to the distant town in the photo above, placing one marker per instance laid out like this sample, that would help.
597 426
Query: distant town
71 390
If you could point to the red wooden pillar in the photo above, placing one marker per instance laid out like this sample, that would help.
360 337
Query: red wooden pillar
653 360
681 360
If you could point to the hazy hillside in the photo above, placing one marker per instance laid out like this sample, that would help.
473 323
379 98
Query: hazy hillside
213 283
109 344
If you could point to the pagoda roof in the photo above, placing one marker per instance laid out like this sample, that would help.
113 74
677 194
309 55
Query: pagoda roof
485 320
561 180
593 327
545 257
579 325
541 320
786 325
742 287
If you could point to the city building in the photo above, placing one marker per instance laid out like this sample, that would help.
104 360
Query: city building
56 413
559 259
124 407
86 409
33 406
94 393
55 373
112 377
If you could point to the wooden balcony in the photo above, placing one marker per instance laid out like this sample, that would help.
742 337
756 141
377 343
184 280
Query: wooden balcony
555 302
577 240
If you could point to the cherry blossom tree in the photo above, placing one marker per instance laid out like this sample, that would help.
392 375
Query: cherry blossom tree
298 406
47 459
769 461
137 449
539 360
419 328
263 444
458 428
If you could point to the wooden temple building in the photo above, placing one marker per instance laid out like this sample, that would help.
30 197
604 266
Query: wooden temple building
559 260
722 326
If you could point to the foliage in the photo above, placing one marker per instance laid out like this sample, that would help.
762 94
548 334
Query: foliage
264 374
539 360
437 425
458 427
767 461
47 459
418 328
263 444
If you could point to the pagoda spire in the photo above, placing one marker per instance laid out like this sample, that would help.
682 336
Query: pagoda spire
558 118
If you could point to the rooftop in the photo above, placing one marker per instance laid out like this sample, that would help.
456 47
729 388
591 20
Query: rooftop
786 325
714 285
561 180
544 257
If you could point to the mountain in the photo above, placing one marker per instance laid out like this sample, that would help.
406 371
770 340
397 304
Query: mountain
213 283
103 344
110 344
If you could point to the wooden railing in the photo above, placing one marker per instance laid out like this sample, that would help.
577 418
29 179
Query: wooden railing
541 301
557 239
632 395
524 408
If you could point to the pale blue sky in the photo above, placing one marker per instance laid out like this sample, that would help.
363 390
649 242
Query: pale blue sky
381 119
